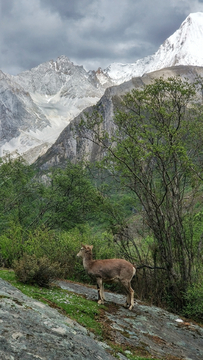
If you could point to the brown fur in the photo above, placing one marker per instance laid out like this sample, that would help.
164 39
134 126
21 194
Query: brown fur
109 270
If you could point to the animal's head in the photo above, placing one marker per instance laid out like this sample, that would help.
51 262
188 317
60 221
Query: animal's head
85 249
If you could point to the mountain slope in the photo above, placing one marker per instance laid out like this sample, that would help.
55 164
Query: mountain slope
70 145
184 47
38 104
18 115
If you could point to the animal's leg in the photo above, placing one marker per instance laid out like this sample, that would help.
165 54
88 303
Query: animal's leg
130 294
100 291
128 300
103 296
132 298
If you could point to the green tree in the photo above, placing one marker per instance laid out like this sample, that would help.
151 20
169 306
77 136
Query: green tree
155 148
71 198
17 192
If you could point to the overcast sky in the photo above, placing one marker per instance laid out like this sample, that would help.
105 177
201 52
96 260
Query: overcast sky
92 33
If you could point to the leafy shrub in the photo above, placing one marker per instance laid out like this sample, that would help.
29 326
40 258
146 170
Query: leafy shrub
104 247
31 270
60 247
194 304
63 246
11 245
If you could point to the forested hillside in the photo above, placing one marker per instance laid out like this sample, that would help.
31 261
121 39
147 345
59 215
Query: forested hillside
142 201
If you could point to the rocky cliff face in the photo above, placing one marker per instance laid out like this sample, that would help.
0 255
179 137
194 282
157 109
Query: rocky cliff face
70 145
17 114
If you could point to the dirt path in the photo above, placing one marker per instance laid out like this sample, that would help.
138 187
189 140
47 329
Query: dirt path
150 329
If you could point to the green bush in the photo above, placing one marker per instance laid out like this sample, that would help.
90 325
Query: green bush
194 304
30 270
60 247
57 246
11 245
104 247
63 247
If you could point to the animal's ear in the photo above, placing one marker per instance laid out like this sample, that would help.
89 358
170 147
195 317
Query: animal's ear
91 247
83 246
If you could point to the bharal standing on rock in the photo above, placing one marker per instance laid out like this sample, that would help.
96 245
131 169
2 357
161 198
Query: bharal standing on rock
109 270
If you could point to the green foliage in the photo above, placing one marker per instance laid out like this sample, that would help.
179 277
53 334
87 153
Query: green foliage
62 199
15 192
72 198
155 150
193 308
32 270
60 247
34 213
11 245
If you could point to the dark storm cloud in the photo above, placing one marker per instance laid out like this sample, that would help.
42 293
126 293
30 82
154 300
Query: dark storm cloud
68 9
90 32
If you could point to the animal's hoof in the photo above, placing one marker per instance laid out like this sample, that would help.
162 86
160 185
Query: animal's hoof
100 302
127 306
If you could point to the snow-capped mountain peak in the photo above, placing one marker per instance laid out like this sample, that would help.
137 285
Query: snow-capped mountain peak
184 47
47 98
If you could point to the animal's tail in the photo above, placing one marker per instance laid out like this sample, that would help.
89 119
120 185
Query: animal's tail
134 271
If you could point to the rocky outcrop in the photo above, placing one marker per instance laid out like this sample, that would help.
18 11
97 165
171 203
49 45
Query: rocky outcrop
31 330
148 329
70 145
